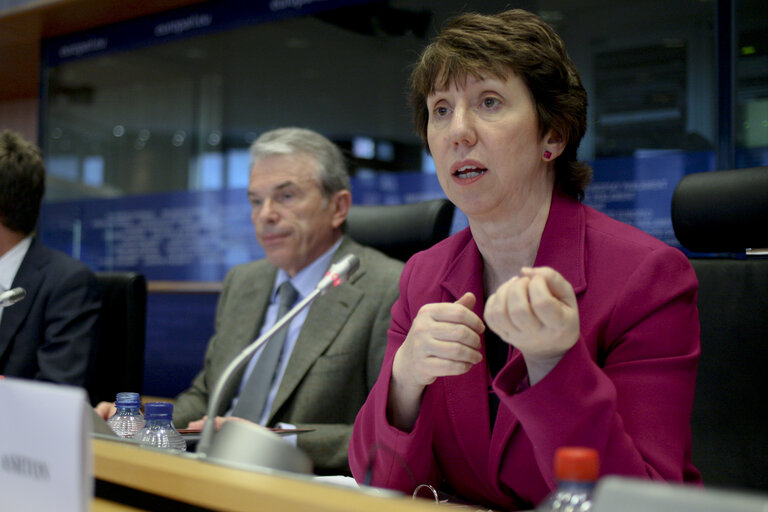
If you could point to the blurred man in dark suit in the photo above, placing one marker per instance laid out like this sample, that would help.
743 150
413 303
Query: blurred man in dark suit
51 334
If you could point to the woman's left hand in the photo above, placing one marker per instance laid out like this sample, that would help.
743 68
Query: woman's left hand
537 313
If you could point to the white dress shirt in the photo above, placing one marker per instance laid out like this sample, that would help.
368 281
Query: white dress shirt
10 263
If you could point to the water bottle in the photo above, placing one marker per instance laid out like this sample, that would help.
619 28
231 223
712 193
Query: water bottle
576 471
159 430
128 419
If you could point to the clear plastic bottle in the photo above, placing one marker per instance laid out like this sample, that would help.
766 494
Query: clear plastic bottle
576 472
159 430
128 419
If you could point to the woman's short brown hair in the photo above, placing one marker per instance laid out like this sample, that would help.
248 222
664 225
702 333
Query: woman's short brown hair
519 42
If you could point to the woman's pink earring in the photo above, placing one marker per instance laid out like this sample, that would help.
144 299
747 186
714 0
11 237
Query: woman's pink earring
547 155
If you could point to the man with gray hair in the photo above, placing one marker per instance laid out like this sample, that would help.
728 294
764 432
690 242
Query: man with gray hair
318 373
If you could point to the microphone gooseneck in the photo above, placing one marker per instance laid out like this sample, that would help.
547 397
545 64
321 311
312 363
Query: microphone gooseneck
12 296
338 274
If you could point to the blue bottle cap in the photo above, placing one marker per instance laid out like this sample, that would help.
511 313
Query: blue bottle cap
158 411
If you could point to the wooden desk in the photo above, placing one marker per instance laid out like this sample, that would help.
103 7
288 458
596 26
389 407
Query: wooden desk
211 486
100 505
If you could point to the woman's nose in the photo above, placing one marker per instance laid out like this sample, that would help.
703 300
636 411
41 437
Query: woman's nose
462 128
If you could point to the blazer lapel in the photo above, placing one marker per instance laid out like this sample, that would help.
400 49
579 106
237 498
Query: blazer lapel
325 319
462 392
323 323
506 423
565 230
30 278
249 299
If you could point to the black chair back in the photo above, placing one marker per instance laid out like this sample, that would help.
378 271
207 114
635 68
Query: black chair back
722 211
401 230
727 212
119 359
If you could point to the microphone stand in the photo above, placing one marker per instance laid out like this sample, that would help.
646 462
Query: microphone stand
337 274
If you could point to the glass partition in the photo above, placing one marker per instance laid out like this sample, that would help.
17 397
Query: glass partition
145 125
146 116
751 84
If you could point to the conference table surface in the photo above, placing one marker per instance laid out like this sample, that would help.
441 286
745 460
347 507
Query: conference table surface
193 481
102 505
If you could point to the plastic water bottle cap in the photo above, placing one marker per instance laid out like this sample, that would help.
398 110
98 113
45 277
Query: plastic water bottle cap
127 399
576 464
158 410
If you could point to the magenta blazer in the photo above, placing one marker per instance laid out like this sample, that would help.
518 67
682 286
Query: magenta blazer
626 387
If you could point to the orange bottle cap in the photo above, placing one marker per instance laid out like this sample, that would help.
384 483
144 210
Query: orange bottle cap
576 464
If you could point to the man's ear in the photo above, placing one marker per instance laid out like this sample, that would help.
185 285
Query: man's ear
340 203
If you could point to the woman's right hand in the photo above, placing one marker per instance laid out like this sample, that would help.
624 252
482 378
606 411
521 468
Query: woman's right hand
444 340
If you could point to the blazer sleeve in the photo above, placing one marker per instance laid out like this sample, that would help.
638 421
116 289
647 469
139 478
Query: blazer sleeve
633 403
71 329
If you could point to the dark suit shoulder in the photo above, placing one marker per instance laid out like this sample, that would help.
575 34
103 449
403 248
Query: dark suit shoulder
58 266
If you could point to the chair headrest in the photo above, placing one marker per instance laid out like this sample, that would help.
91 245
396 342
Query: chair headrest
722 211
401 230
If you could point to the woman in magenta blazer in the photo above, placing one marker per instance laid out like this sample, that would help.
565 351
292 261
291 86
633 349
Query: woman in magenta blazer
543 324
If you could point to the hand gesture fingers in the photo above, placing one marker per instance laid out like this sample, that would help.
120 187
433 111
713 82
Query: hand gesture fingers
536 312
444 339
551 297
509 312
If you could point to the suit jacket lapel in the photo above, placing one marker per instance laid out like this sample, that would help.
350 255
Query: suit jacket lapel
564 231
325 319
462 392
563 242
30 278
250 299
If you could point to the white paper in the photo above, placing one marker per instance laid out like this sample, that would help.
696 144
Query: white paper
45 450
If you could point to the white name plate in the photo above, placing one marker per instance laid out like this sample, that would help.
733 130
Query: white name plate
45 450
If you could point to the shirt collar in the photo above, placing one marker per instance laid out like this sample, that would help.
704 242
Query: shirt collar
306 280
11 261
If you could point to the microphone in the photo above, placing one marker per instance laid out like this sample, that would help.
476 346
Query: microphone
338 274
12 296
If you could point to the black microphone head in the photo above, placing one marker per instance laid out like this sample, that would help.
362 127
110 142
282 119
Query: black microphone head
12 296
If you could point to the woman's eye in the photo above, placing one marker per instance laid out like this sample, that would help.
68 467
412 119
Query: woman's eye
440 111
490 102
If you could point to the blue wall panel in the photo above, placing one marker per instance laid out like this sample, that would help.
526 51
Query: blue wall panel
178 329
199 235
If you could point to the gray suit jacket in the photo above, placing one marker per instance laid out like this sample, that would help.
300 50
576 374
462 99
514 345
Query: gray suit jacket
334 364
